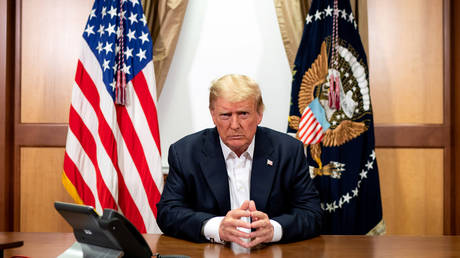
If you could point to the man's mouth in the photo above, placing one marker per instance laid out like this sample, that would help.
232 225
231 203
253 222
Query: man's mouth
235 137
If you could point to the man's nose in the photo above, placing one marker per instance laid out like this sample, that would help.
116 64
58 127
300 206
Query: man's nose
235 122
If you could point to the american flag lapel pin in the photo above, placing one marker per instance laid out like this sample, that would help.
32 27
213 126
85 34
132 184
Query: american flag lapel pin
269 162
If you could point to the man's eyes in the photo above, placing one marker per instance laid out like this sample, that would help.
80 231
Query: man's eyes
242 114
225 116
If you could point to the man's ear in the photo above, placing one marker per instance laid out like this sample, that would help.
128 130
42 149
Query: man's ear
261 115
211 111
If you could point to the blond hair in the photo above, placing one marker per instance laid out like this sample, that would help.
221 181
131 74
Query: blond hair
236 88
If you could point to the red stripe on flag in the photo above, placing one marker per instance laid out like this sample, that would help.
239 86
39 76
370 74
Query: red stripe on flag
125 200
310 130
137 154
320 138
79 129
313 129
317 129
306 115
307 112
148 105
73 174
306 118
307 124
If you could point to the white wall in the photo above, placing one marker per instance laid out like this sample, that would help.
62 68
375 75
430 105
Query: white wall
220 37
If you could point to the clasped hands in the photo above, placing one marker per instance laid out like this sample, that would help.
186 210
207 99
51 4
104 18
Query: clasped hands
262 229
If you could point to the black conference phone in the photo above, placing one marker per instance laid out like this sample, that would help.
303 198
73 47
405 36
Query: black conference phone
111 230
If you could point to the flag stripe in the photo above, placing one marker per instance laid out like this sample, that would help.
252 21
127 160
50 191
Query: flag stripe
309 126
90 119
148 106
319 138
137 113
313 129
82 133
70 188
307 119
78 182
83 164
153 159
317 130
310 130
134 184
137 153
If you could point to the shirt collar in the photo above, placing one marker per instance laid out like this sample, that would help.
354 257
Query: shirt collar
227 151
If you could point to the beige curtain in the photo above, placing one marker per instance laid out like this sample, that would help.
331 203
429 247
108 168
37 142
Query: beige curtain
164 19
291 18
361 13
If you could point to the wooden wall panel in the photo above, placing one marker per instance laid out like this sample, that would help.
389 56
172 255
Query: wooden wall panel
411 182
456 110
406 60
363 24
4 195
50 45
6 114
41 186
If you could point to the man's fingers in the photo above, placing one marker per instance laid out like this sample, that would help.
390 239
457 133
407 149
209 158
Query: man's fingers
239 233
261 223
265 232
241 224
233 232
258 215
256 241
245 205
263 228
230 222
252 206
237 214
261 235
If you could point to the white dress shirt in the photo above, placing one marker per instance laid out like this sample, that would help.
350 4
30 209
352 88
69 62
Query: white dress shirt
239 177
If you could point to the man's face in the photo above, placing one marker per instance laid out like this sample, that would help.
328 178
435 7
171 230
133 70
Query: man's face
236 122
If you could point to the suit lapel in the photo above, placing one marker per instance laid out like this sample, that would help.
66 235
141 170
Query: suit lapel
263 170
214 169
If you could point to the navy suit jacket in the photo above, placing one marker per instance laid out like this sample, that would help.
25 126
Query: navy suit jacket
197 188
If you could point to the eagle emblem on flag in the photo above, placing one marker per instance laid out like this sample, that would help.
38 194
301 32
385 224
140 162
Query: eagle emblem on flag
315 86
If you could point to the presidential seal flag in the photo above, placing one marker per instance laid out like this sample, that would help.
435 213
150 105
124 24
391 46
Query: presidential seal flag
331 75
112 158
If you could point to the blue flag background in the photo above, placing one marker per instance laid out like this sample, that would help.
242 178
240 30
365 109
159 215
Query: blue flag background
343 164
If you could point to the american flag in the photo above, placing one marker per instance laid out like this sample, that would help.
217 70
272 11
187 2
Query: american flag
310 129
113 157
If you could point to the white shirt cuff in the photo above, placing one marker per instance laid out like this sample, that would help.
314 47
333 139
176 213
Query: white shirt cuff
277 231
211 229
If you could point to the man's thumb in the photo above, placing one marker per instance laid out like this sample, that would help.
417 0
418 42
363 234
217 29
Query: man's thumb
252 206
245 205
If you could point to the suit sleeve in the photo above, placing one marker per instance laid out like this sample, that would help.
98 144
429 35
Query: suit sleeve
302 220
175 217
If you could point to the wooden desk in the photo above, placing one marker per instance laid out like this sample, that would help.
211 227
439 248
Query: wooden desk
52 244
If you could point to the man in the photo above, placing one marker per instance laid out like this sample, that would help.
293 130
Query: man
238 182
